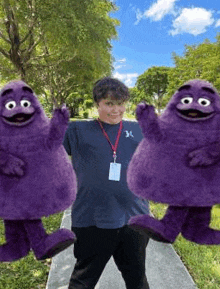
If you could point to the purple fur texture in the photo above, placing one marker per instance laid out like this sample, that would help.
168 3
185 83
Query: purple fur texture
11 165
36 175
22 236
177 162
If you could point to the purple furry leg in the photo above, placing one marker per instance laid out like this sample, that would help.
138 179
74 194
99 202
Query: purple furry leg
44 245
196 227
165 230
17 244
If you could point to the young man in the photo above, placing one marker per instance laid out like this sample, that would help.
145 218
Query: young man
101 150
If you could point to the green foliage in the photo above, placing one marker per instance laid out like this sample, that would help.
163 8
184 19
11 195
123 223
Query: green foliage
47 106
73 102
151 86
201 61
58 47
86 114
137 95
88 102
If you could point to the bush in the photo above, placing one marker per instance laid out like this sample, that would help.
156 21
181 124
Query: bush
85 114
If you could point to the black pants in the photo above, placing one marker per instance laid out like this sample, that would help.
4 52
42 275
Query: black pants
94 248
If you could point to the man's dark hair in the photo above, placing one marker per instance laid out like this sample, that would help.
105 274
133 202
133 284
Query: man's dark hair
108 86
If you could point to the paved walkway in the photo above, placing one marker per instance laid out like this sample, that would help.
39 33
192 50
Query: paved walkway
164 268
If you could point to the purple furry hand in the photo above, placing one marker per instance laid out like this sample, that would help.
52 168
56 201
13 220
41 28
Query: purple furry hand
145 111
61 115
148 121
205 156
11 165
58 126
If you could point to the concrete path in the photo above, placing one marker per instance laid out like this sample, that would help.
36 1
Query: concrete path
164 268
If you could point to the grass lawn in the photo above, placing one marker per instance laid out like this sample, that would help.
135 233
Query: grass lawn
202 262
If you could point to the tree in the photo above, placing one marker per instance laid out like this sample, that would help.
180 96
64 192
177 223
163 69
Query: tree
56 46
20 34
198 61
152 85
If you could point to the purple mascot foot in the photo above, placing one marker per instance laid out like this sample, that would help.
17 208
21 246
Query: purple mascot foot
44 245
151 227
165 230
17 244
196 227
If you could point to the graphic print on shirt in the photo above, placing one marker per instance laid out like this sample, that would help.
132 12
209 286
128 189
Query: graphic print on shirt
129 134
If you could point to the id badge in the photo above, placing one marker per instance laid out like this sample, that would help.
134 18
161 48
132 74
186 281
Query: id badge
114 172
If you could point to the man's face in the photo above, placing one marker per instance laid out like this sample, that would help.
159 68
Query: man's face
111 110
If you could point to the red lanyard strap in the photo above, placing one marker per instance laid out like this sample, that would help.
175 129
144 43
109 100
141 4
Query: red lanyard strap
114 147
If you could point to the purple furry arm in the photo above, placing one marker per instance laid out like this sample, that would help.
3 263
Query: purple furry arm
58 126
11 165
148 122
205 156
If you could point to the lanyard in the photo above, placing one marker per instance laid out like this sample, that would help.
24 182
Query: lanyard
114 147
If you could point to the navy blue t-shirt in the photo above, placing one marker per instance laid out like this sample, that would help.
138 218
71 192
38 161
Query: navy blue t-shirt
101 202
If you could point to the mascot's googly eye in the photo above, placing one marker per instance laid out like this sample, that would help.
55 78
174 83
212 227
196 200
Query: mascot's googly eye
204 102
10 105
187 100
25 103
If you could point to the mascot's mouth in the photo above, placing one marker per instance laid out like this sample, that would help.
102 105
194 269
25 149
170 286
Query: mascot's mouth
19 119
194 114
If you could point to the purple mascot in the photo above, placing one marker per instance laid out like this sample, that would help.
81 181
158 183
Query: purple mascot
36 176
178 163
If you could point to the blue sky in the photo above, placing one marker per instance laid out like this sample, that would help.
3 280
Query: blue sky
151 30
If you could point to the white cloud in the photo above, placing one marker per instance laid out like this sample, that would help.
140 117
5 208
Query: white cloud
119 63
193 21
157 10
118 66
139 16
127 78
217 23
122 60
